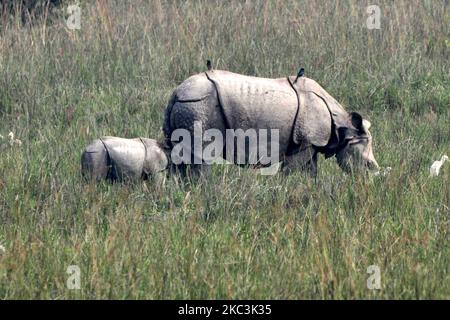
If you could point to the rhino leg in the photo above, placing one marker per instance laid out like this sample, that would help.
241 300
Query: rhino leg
194 171
94 161
305 160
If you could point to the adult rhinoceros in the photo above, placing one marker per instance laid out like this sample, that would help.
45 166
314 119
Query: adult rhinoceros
309 120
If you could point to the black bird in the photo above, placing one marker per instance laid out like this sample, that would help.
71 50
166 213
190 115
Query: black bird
300 73
209 65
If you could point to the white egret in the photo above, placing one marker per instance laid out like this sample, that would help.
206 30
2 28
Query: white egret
383 172
436 166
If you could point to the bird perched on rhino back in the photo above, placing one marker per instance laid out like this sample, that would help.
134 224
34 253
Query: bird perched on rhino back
300 73
209 65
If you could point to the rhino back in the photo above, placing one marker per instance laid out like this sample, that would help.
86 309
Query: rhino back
194 88
258 103
340 115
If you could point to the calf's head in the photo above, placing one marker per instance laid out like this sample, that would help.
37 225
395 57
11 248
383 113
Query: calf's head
356 151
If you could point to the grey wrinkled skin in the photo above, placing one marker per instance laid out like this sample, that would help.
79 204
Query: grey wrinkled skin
121 159
225 100
358 152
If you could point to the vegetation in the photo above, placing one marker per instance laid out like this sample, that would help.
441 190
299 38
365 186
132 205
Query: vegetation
238 234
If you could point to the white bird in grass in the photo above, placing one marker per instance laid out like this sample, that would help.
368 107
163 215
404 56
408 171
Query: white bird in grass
436 166
383 172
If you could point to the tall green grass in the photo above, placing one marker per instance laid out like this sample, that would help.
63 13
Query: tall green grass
236 235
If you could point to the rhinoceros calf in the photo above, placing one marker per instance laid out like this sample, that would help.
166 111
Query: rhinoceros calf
308 119
124 159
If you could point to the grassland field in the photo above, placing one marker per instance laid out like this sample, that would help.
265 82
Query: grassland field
236 235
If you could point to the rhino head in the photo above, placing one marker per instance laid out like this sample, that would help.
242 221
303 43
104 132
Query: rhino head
324 123
355 151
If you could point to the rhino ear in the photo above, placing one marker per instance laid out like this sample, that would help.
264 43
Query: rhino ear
313 122
357 121
361 125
